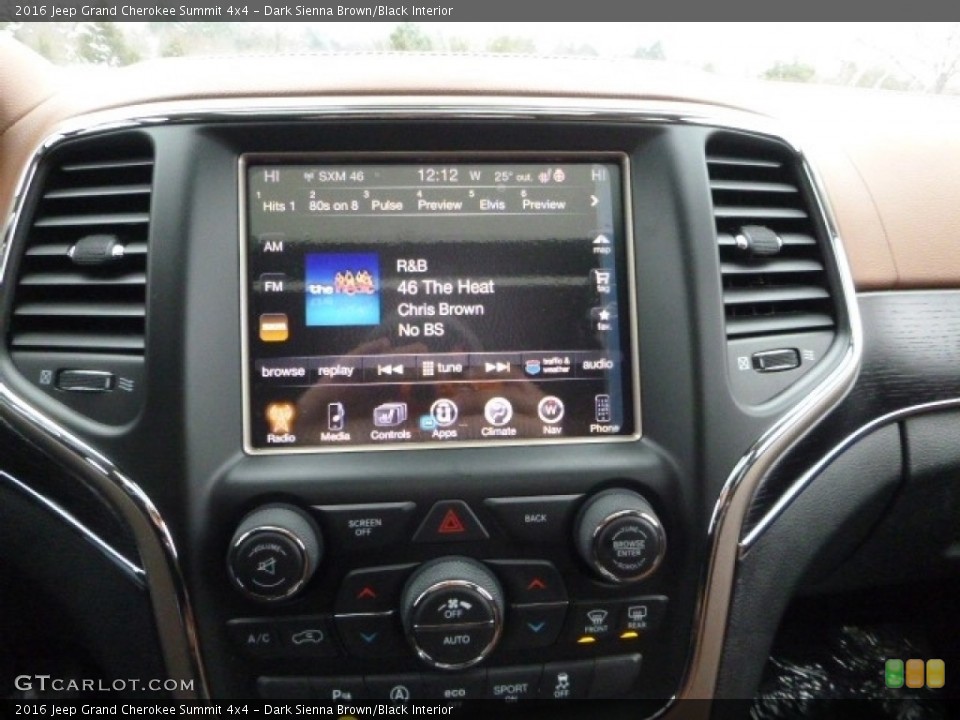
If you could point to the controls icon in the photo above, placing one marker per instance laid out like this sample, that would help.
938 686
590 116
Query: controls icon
390 414
336 416
280 417
444 412
550 409
602 408
498 411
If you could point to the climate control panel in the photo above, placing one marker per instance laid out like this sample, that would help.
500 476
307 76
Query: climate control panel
577 594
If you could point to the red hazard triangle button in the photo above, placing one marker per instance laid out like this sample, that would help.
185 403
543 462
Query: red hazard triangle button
450 521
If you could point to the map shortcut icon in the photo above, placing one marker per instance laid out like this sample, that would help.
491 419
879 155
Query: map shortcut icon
550 409
444 412
498 411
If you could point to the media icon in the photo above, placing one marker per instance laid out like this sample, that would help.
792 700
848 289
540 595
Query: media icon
390 414
550 409
498 411
274 327
602 408
336 416
444 412
280 417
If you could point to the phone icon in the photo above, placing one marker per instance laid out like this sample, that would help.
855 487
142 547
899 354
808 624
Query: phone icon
602 408
336 416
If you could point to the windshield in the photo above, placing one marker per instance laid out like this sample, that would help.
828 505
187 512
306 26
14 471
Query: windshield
913 57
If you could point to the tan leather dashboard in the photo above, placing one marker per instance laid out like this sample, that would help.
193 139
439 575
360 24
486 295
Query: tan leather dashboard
890 162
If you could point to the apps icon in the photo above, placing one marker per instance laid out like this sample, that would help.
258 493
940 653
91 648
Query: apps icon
280 417
550 409
336 416
498 411
274 327
444 412
390 414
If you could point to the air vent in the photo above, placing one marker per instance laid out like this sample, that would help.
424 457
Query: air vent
771 260
81 285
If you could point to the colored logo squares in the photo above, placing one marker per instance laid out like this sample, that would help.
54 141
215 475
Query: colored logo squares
914 673
342 289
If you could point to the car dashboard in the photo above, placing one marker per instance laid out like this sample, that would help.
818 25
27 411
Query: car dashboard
478 384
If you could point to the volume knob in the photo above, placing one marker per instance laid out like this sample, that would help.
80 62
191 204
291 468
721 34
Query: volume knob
274 553
620 536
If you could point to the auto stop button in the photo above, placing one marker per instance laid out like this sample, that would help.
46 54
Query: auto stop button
620 536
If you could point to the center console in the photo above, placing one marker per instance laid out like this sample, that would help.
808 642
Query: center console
435 403
446 489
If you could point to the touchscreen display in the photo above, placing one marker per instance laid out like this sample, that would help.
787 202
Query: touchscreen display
400 302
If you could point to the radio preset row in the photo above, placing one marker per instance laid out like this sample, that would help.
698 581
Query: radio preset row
474 300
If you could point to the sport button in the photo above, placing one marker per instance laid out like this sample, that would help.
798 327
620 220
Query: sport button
450 521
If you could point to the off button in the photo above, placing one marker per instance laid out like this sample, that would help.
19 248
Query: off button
367 527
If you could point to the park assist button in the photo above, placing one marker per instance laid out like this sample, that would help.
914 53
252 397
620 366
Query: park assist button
450 521
542 519
366 527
